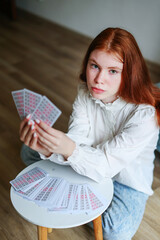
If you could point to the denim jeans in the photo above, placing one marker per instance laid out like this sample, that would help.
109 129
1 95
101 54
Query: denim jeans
158 143
29 156
123 217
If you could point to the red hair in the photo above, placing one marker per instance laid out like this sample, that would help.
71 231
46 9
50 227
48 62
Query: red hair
136 86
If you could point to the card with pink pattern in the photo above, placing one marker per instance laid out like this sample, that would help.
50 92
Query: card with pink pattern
40 107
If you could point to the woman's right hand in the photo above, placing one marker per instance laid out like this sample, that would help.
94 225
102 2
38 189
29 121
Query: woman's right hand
29 137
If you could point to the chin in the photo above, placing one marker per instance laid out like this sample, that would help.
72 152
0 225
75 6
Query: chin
97 96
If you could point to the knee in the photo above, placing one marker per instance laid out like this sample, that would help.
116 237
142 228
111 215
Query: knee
23 154
120 233
119 230
28 155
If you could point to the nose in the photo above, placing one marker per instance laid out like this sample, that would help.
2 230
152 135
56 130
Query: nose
100 77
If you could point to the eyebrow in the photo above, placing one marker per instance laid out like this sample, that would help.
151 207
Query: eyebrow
115 67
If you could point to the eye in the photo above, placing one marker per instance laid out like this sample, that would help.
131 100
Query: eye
94 66
112 71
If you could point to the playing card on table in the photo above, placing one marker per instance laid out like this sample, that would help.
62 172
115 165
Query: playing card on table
46 111
31 101
68 199
81 203
51 193
57 194
96 199
82 197
18 97
28 179
31 191
77 199
87 202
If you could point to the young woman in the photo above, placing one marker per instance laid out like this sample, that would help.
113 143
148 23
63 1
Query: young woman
113 129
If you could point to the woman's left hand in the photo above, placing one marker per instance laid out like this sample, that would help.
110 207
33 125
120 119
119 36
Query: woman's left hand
54 140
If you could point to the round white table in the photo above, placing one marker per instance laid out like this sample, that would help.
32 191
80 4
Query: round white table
47 220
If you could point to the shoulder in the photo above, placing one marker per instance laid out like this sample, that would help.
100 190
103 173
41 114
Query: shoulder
141 113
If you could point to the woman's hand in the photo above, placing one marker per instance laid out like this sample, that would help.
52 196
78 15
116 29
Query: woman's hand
29 137
53 140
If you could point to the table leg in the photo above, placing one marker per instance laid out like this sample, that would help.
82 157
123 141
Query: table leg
42 233
49 230
97 224
39 232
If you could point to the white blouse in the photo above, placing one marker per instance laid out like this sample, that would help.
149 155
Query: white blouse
114 140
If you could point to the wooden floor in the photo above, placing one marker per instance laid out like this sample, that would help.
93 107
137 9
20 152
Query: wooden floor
45 58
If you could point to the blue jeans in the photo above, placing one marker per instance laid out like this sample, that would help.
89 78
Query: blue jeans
29 156
123 217
158 143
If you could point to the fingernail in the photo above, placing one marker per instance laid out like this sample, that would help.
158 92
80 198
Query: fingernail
32 127
30 122
37 121
35 135
28 116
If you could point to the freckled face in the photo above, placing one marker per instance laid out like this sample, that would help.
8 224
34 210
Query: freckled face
104 73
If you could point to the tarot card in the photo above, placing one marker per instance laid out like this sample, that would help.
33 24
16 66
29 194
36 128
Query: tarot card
31 101
46 111
18 97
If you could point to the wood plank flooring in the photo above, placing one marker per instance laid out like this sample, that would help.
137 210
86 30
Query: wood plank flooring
46 58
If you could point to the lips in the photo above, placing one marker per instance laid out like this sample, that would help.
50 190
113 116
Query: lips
97 90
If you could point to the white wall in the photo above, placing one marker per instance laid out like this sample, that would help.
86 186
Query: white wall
140 17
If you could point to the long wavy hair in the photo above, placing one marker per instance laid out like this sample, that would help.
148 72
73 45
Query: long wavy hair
136 85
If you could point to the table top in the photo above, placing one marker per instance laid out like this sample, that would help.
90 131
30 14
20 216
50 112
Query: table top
41 217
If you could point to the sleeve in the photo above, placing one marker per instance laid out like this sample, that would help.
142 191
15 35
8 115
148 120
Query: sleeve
109 158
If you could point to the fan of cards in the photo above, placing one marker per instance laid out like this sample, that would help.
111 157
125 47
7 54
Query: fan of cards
57 194
40 107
